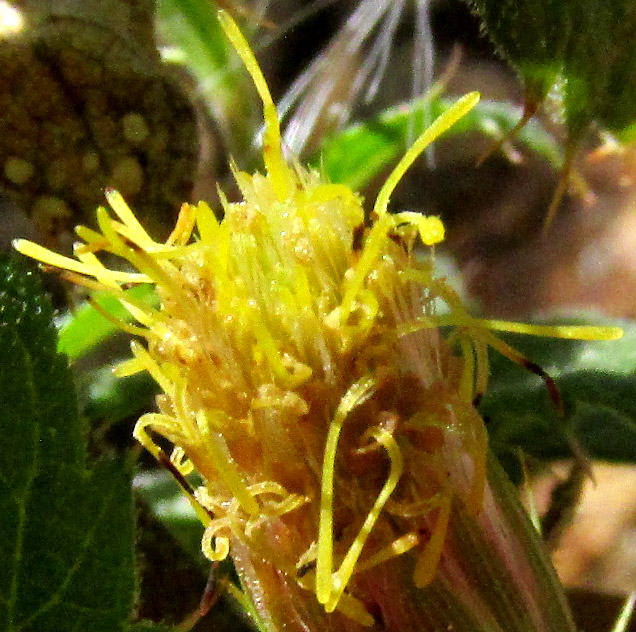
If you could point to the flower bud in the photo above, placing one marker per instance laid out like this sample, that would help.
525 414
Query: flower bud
309 378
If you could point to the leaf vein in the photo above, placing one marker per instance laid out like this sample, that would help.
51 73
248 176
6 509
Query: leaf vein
31 474
55 598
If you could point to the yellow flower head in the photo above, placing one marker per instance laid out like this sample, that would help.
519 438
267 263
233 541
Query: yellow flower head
304 373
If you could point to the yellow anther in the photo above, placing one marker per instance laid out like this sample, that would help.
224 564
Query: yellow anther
428 560
439 126
356 395
277 168
341 577
221 547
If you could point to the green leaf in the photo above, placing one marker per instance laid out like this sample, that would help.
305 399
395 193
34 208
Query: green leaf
66 531
196 40
599 69
109 399
590 44
358 153
191 25
597 381
86 327
168 503
532 35
149 626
